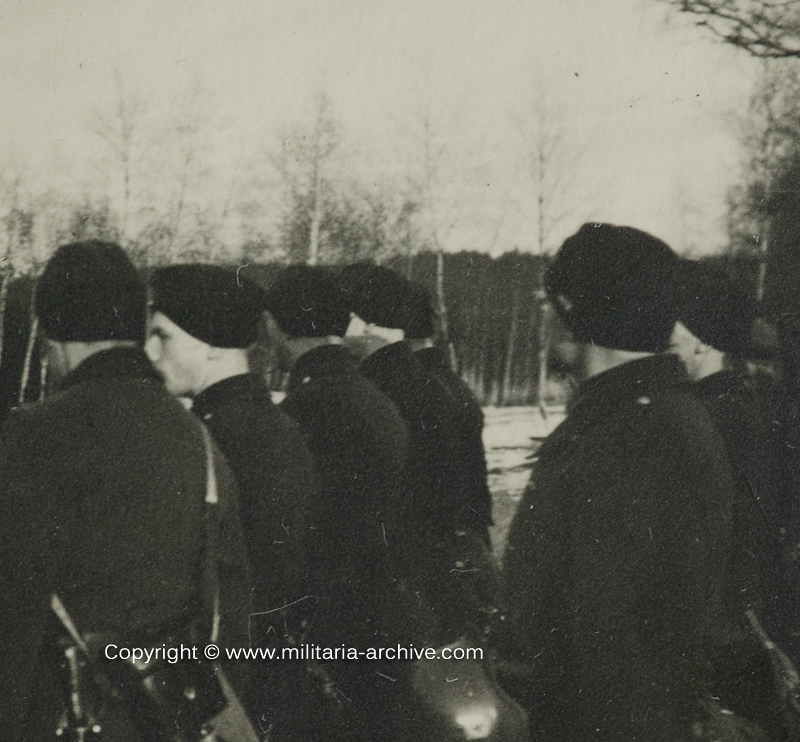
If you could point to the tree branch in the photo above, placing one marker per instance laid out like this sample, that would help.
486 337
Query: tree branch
767 29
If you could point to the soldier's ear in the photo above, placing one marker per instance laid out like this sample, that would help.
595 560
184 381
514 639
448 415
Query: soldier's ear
212 353
702 349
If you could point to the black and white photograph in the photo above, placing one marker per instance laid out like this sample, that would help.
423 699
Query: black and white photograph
400 372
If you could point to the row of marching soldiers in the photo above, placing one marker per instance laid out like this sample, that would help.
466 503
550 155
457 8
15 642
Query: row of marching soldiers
355 515
648 579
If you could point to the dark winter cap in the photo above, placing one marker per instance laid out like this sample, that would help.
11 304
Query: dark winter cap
306 302
615 287
419 313
91 291
217 305
376 294
714 309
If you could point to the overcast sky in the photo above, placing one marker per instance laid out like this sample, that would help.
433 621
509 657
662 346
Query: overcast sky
644 100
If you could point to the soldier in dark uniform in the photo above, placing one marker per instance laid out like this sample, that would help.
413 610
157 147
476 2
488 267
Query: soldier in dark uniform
358 441
204 318
617 556
719 331
437 522
714 338
419 330
103 488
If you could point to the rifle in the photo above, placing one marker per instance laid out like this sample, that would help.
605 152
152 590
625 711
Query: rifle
165 702
77 723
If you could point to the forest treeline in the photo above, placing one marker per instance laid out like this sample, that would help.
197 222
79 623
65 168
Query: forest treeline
493 311
497 323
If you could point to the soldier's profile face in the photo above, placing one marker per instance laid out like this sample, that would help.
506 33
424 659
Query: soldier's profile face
177 356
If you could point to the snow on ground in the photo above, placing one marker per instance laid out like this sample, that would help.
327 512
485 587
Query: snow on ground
511 436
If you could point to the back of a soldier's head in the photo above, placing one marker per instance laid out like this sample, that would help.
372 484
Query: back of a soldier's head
219 306
91 292
378 300
717 310
718 318
306 309
89 298
305 302
614 287
376 295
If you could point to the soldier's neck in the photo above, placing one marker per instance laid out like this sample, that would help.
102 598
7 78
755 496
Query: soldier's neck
75 353
598 359
299 346
229 362
419 343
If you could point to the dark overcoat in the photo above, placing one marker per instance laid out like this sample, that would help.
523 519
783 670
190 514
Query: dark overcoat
616 560
358 441
761 577
477 512
102 489
277 484
433 497
277 481
450 569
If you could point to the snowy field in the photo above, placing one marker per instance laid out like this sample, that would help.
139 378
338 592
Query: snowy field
511 436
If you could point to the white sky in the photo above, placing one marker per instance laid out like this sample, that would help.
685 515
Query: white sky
645 101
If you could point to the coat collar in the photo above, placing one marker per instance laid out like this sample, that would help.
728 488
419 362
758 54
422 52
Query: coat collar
633 383
114 363
249 388
386 363
326 360
723 383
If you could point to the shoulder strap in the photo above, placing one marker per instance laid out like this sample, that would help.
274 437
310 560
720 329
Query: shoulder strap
212 494
210 572
66 621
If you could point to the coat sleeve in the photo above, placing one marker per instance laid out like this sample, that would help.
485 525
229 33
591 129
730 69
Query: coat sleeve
38 518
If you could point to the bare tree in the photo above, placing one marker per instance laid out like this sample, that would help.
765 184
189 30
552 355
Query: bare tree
304 164
549 166
764 28
188 150
167 232
121 130
770 30
17 222
770 134
193 220
439 197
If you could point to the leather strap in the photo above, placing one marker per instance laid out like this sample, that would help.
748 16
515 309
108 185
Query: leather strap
210 573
